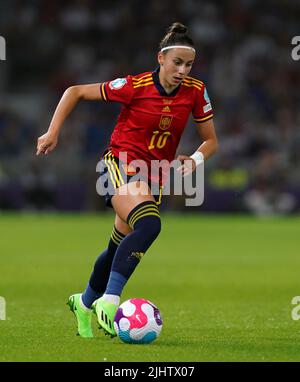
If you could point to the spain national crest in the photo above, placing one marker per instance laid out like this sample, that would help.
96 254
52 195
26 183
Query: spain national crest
165 122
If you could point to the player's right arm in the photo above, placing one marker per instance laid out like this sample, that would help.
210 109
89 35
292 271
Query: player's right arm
48 141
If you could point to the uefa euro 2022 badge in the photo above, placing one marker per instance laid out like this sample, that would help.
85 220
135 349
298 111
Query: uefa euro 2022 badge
207 107
117 83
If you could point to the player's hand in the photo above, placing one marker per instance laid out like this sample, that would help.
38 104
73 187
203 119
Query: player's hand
46 143
188 165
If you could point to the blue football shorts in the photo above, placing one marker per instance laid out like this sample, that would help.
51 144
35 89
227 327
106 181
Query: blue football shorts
113 175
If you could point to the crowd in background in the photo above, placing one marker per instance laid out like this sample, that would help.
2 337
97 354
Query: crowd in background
243 56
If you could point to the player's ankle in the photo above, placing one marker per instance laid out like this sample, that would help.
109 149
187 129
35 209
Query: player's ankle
111 298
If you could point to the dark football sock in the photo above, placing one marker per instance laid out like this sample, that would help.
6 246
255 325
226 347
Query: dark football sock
144 219
99 277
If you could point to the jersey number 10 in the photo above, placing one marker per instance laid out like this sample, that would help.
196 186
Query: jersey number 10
158 141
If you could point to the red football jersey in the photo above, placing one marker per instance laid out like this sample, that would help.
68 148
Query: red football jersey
152 121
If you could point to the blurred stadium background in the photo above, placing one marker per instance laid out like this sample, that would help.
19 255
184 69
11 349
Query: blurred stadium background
244 56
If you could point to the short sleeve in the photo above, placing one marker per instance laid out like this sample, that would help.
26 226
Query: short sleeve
202 110
118 90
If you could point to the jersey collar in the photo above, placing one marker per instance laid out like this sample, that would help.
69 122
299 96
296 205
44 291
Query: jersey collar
160 88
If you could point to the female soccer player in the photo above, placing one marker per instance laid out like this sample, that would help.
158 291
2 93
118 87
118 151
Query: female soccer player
156 107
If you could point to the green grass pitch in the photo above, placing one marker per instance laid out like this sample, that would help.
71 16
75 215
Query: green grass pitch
224 286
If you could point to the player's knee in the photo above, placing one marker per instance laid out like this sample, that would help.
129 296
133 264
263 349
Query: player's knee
153 226
146 217
149 226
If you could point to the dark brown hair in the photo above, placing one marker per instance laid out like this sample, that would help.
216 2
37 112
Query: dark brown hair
177 34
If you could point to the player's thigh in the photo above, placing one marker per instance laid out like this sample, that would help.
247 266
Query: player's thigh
129 196
122 226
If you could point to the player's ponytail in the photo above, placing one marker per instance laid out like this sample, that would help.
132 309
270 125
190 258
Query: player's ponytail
177 34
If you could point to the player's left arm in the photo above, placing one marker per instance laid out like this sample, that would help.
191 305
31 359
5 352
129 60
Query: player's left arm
208 147
207 133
